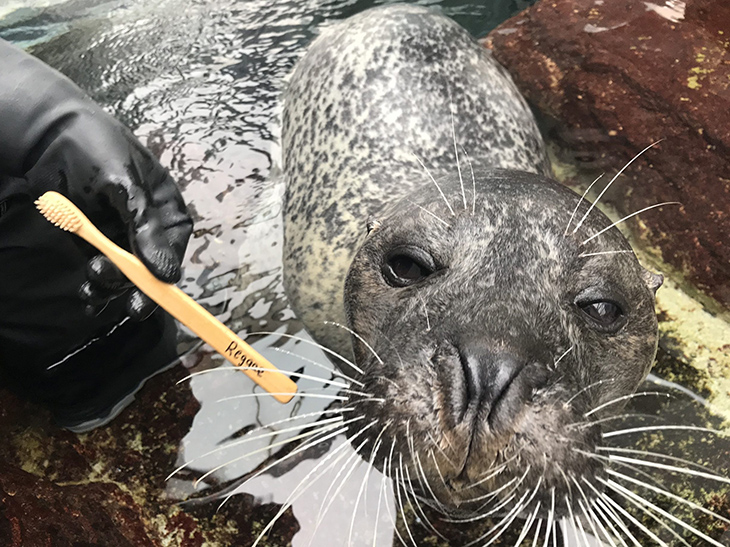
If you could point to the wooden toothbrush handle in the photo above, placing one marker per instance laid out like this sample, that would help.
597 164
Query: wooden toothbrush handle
195 317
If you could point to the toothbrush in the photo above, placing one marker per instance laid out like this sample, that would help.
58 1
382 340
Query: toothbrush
60 211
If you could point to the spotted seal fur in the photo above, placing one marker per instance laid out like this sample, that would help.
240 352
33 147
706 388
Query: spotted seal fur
491 309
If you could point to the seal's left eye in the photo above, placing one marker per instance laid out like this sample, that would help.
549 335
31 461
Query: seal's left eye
405 266
604 313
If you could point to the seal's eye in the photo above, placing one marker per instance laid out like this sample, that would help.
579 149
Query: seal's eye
605 314
405 266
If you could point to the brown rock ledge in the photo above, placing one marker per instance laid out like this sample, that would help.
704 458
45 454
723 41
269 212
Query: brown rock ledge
621 75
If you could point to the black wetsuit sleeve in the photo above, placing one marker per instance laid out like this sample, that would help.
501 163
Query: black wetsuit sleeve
35 102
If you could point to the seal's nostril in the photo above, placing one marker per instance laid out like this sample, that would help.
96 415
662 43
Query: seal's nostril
499 372
472 386
487 375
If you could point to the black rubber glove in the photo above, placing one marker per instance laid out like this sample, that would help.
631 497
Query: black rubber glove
56 138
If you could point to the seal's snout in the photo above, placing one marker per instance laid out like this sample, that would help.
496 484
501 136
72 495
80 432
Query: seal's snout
496 385
487 375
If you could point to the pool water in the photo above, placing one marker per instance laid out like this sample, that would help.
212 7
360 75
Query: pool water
198 82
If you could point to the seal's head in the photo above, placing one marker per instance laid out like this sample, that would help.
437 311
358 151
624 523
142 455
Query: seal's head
488 328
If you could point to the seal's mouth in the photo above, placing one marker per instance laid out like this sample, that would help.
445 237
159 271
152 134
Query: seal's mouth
471 430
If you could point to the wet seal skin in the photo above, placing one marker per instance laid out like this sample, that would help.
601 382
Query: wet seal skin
495 319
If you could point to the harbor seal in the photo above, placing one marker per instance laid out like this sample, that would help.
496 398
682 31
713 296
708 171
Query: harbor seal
487 309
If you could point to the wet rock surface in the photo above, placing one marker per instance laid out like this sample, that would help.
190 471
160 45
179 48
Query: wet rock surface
621 75
108 487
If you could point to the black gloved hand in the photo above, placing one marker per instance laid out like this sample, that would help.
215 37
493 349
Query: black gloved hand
56 138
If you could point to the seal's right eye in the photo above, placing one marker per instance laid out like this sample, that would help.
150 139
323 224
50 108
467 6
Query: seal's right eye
607 316
405 266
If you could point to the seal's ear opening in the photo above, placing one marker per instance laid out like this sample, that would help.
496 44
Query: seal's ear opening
373 224
652 280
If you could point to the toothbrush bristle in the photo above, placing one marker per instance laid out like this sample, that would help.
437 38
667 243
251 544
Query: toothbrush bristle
59 210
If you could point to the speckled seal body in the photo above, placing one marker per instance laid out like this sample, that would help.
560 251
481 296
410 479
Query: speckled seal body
498 318
372 96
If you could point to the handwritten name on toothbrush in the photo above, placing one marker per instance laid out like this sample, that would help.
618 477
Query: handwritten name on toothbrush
241 359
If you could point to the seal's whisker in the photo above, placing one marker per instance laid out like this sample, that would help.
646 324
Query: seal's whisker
312 343
634 468
554 533
224 368
473 183
602 500
600 253
626 398
577 205
667 494
330 369
538 528
605 521
509 519
590 386
594 521
305 446
438 187
400 484
298 490
441 450
419 509
356 335
317 431
456 153
575 523
327 381
645 463
434 215
366 396
388 465
329 496
258 429
656 455
420 473
551 519
299 394
492 472
617 175
588 516
425 310
383 481
374 452
348 468
654 379
528 525
487 514
639 501
360 492
438 502
660 522
494 493
566 352
583 425
627 217
438 468
645 429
